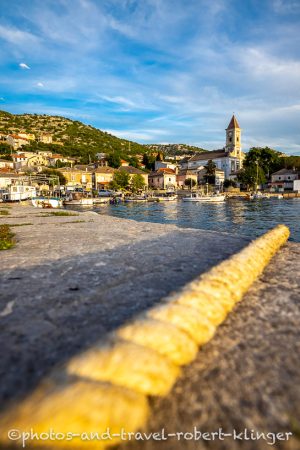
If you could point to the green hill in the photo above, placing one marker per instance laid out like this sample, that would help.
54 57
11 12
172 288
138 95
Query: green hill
73 138
70 138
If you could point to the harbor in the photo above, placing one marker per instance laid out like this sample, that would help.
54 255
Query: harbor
75 276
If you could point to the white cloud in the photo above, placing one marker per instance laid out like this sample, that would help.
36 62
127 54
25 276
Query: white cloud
24 66
16 36
39 84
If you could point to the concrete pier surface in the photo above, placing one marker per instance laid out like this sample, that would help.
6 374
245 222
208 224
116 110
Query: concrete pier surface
71 279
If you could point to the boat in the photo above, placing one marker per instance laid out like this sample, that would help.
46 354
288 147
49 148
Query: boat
165 197
211 198
79 202
47 202
260 195
101 200
135 199
16 193
78 199
277 196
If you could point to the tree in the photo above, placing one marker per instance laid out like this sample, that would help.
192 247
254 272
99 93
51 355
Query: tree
137 182
149 161
5 149
57 173
210 176
268 159
251 176
120 180
229 183
160 156
114 160
190 182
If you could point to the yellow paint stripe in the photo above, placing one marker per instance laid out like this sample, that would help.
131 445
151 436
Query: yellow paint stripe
141 358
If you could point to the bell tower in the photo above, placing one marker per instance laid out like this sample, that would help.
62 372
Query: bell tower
233 138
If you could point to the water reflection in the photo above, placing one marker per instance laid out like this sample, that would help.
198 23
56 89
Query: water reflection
250 218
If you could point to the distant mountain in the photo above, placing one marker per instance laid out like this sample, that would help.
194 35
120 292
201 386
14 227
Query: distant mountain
175 149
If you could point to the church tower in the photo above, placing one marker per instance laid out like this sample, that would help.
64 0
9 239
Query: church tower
233 138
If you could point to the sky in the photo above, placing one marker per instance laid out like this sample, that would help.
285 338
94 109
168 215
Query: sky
157 71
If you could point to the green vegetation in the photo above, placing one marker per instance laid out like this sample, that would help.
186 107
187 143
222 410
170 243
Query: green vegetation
137 182
6 237
175 149
210 176
59 213
20 224
190 182
4 212
121 180
70 138
56 173
258 166
229 183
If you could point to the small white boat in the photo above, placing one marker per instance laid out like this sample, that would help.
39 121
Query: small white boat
47 202
195 197
166 197
135 199
260 195
80 202
277 196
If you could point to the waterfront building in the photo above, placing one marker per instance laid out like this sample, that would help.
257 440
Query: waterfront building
80 176
184 175
283 180
163 179
229 159
102 176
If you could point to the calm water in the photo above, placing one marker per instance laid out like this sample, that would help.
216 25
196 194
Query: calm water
249 218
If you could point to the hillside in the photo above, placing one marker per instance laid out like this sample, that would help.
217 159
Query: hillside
70 138
73 138
175 149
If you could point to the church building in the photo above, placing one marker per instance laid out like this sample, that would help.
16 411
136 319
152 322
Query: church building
229 159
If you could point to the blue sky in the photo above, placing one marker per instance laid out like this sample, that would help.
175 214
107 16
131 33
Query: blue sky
157 70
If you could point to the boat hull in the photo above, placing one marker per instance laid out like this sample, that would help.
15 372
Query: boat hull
47 202
205 199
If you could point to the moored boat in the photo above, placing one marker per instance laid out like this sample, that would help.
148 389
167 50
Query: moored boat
196 197
47 202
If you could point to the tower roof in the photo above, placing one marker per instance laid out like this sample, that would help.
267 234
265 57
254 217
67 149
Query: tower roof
233 123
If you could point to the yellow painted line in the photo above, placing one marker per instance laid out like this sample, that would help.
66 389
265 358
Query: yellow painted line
106 387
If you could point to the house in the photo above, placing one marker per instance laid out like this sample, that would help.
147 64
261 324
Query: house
134 171
5 164
163 179
56 157
229 159
164 165
184 175
29 136
16 141
102 176
7 179
283 180
78 176
46 138
124 163
37 161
